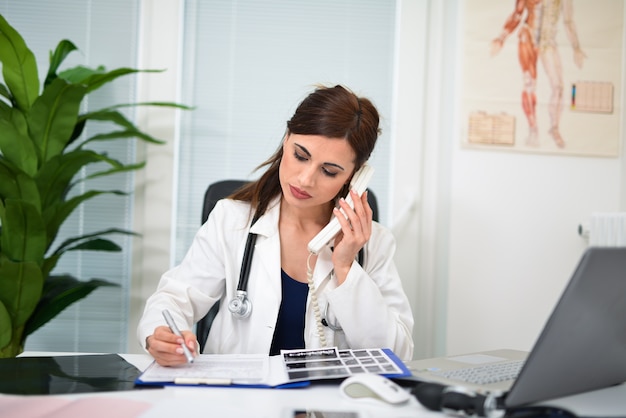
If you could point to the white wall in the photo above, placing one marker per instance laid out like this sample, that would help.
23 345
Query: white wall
486 240
496 232
514 240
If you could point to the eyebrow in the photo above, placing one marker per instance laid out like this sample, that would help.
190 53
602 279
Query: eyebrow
306 151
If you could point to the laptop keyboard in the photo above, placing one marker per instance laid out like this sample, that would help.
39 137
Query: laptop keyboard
485 374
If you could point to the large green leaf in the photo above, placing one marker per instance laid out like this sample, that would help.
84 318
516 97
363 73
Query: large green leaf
54 115
16 184
96 78
57 57
72 241
50 261
21 285
55 176
5 109
18 120
54 215
15 143
130 133
161 104
29 192
6 326
19 67
4 91
60 292
97 244
119 119
115 170
8 185
110 113
23 232
78 130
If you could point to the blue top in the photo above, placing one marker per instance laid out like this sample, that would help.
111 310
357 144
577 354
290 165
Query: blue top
289 332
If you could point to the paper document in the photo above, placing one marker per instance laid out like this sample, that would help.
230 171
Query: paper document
288 368
213 369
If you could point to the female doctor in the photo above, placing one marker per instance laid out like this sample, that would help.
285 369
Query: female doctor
295 299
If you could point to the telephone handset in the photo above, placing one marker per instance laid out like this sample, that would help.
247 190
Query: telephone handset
359 183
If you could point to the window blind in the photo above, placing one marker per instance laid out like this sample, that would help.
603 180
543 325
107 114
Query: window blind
246 66
99 322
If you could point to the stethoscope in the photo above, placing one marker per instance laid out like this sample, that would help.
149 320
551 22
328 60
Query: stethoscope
240 306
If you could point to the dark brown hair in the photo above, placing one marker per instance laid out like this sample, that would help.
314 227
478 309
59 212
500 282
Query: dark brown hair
334 112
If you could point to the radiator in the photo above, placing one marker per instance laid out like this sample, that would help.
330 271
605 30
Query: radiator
605 229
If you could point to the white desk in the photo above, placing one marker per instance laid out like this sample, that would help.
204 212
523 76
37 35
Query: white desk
174 401
245 402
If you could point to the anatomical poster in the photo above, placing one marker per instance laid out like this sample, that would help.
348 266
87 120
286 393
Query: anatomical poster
543 76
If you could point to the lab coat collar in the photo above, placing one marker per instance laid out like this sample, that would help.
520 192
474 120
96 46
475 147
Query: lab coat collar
267 252
323 266
267 224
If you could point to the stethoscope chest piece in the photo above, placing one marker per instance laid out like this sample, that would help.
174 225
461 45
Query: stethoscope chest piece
240 305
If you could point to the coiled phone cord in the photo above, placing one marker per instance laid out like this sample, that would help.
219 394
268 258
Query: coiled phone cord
316 306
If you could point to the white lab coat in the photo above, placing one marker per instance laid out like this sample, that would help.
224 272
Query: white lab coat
370 306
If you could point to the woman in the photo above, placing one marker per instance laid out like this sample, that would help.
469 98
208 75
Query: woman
330 136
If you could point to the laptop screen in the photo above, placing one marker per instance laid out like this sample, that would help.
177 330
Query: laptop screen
583 344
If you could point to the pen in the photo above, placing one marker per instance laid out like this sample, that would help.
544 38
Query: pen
175 330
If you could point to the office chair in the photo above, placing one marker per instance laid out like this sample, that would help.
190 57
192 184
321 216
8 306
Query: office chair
220 190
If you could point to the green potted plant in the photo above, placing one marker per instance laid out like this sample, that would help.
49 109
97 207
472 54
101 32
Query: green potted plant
42 151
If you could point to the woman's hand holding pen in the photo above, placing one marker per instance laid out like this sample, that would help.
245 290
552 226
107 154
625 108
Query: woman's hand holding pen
166 347
356 231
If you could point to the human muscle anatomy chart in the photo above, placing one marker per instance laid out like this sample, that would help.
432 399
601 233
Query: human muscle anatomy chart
544 74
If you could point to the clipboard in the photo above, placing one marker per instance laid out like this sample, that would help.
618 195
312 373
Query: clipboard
289 369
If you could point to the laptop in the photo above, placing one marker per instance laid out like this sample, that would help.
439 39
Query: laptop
582 347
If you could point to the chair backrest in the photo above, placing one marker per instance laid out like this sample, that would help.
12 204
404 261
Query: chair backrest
216 191
220 190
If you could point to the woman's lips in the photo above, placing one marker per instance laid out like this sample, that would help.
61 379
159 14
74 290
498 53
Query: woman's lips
299 194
